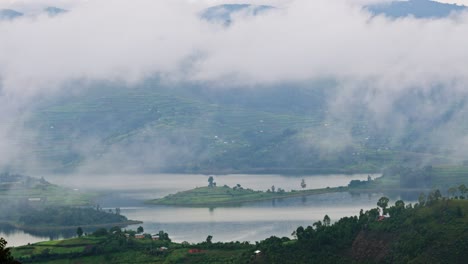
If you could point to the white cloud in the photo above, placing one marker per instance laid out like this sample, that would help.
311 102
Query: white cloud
458 2
307 39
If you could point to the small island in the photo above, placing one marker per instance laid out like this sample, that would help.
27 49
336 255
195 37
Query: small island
213 195
395 179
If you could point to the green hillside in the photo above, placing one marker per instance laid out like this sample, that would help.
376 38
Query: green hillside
263 130
40 207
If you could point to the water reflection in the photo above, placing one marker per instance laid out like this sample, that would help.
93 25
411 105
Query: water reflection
163 184
17 237
246 222
249 222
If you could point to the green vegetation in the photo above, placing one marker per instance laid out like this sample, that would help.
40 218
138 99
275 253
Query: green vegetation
55 218
395 179
28 190
403 178
212 196
37 206
5 254
434 230
123 246
249 131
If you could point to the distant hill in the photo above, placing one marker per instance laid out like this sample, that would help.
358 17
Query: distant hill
283 129
223 13
9 14
416 8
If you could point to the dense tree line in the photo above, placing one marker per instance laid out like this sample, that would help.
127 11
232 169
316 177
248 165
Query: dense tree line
430 231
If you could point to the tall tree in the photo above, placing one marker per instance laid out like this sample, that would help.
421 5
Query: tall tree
303 184
5 254
326 220
140 230
452 191
79 231
422 199
383 203
210 181
462 188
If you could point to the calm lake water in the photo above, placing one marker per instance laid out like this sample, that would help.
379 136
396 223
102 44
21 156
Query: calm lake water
248 222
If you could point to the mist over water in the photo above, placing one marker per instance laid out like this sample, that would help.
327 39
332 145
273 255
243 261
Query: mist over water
18 237
188 181
398 87
252 221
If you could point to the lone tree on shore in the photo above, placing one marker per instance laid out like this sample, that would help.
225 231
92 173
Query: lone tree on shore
303 184
79 231
211 182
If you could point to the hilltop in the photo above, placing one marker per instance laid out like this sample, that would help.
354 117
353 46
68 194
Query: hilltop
40 207
24 189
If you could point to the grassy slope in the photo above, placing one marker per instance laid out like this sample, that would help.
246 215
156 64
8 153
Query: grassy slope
450 175
54 194
221 136
57 202
441 177
16 188
131 251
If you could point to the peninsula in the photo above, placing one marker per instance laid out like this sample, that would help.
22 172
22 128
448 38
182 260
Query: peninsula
225 195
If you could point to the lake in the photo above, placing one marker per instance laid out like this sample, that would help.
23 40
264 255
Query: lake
248 222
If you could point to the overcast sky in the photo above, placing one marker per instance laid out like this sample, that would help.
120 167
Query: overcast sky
131 40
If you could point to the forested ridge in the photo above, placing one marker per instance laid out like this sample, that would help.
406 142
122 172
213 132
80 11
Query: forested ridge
434 230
